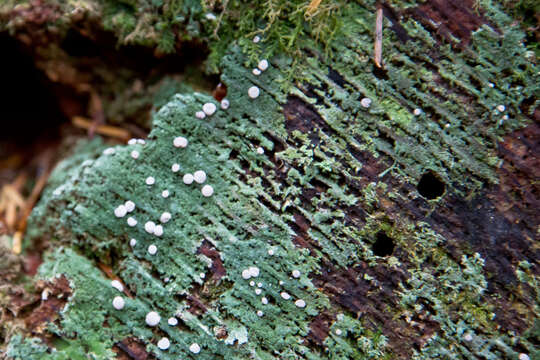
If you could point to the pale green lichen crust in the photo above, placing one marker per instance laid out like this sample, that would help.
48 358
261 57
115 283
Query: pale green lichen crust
300 217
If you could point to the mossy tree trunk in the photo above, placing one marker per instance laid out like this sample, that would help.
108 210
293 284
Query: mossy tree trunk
358 212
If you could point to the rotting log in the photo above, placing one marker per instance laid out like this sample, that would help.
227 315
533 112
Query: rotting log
407 223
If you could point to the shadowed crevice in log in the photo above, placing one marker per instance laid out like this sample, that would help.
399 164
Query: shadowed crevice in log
450 19
369 293
217 268
131 349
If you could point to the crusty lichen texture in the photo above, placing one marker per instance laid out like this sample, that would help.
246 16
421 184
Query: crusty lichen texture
316 242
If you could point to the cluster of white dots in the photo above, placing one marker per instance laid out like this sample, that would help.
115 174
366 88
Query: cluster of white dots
152 318
254 271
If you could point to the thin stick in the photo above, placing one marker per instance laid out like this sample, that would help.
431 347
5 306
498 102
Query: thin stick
378 36
106 130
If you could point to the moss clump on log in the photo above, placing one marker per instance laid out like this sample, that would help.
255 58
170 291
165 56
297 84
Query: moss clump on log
384 271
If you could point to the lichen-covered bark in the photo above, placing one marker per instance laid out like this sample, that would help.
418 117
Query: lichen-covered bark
344 193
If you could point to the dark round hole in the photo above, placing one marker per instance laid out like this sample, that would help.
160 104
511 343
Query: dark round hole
383 245
430 186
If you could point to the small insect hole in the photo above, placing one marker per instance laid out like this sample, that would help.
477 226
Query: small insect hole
383 245
430 186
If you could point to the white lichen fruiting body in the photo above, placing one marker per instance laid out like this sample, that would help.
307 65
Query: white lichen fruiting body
133 242
252 283
256 72
130 206
225 104
120 211
165 217
263 65
256 39
253 92
209 108
300 303
200 115
254 271
152 249
365 102
523 356
149 227
207 190
131 221
338 332
258 291
501 108
417 111
141 141
132 141
188 179
117 285
175 167
109 151
118 303
158 231
195 348
172 321
271 252
150 180
285 295
199 176
260 150
246 274
264 300
165 194
180 142
163 343
296 273
152 318
135 154
260 313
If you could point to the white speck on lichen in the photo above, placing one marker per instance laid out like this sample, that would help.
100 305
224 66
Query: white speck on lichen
158 231
263 65
150 180
118 302
260 313
135 154
256 72
188 179
164 343
120 211
175 167
165 217
225 104
256 39
253 271
195 348
200 115
264 300
152 249
117 285
300 303
130 206
285 295
260 150
365 102
417 111
149 227
152 318
109 151
180 142
133 242
207 190
253 92
131 221
165 194
199 176
172 321
296 273
209 108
